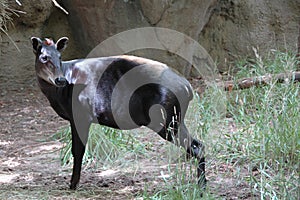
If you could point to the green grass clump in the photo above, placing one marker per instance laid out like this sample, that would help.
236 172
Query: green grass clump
267 135
105 145
254 131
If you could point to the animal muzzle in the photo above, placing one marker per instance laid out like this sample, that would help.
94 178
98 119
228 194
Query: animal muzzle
61 81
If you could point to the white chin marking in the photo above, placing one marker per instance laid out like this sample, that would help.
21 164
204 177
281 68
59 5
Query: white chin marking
50 80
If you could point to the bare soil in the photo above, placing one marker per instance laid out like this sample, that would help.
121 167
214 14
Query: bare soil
30 166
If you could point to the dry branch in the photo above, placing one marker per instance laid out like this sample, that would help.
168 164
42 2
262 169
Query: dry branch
245 83
298 54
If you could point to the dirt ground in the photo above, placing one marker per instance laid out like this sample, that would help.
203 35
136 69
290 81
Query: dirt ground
30 166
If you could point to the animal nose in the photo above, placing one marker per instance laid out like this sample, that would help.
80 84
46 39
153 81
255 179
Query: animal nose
60 81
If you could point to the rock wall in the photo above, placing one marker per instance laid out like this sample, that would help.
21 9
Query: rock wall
38 18
99 20
16 65
237 26
228 29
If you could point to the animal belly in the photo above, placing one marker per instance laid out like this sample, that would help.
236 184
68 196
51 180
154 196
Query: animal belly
118 121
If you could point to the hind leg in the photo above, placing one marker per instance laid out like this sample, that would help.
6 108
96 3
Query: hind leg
178 134
194 148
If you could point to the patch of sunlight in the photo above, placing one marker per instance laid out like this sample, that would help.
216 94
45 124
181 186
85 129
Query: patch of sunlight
4 142
29 177
7 178
11 163
47 147
126 190
108 172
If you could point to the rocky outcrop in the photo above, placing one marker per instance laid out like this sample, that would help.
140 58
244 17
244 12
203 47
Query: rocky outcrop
188 17
227 29
16 64
95 21
237 26
33 12
37 18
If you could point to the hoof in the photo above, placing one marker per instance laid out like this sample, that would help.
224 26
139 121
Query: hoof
73 186
202 181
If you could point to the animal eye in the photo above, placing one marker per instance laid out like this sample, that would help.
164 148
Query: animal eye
44 58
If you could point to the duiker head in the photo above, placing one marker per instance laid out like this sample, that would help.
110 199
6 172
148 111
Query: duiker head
48 64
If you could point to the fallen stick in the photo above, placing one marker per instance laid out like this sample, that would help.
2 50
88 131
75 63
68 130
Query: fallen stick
245 83
298 54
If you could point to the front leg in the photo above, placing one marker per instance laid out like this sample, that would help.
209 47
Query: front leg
79 139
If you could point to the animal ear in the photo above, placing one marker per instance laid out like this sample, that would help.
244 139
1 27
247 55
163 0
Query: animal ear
61 44
36 42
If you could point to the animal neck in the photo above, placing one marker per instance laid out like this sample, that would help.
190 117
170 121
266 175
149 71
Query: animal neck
46 87
74 74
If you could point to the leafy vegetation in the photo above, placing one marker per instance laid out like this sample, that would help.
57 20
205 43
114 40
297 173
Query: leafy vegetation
267 139
105 146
